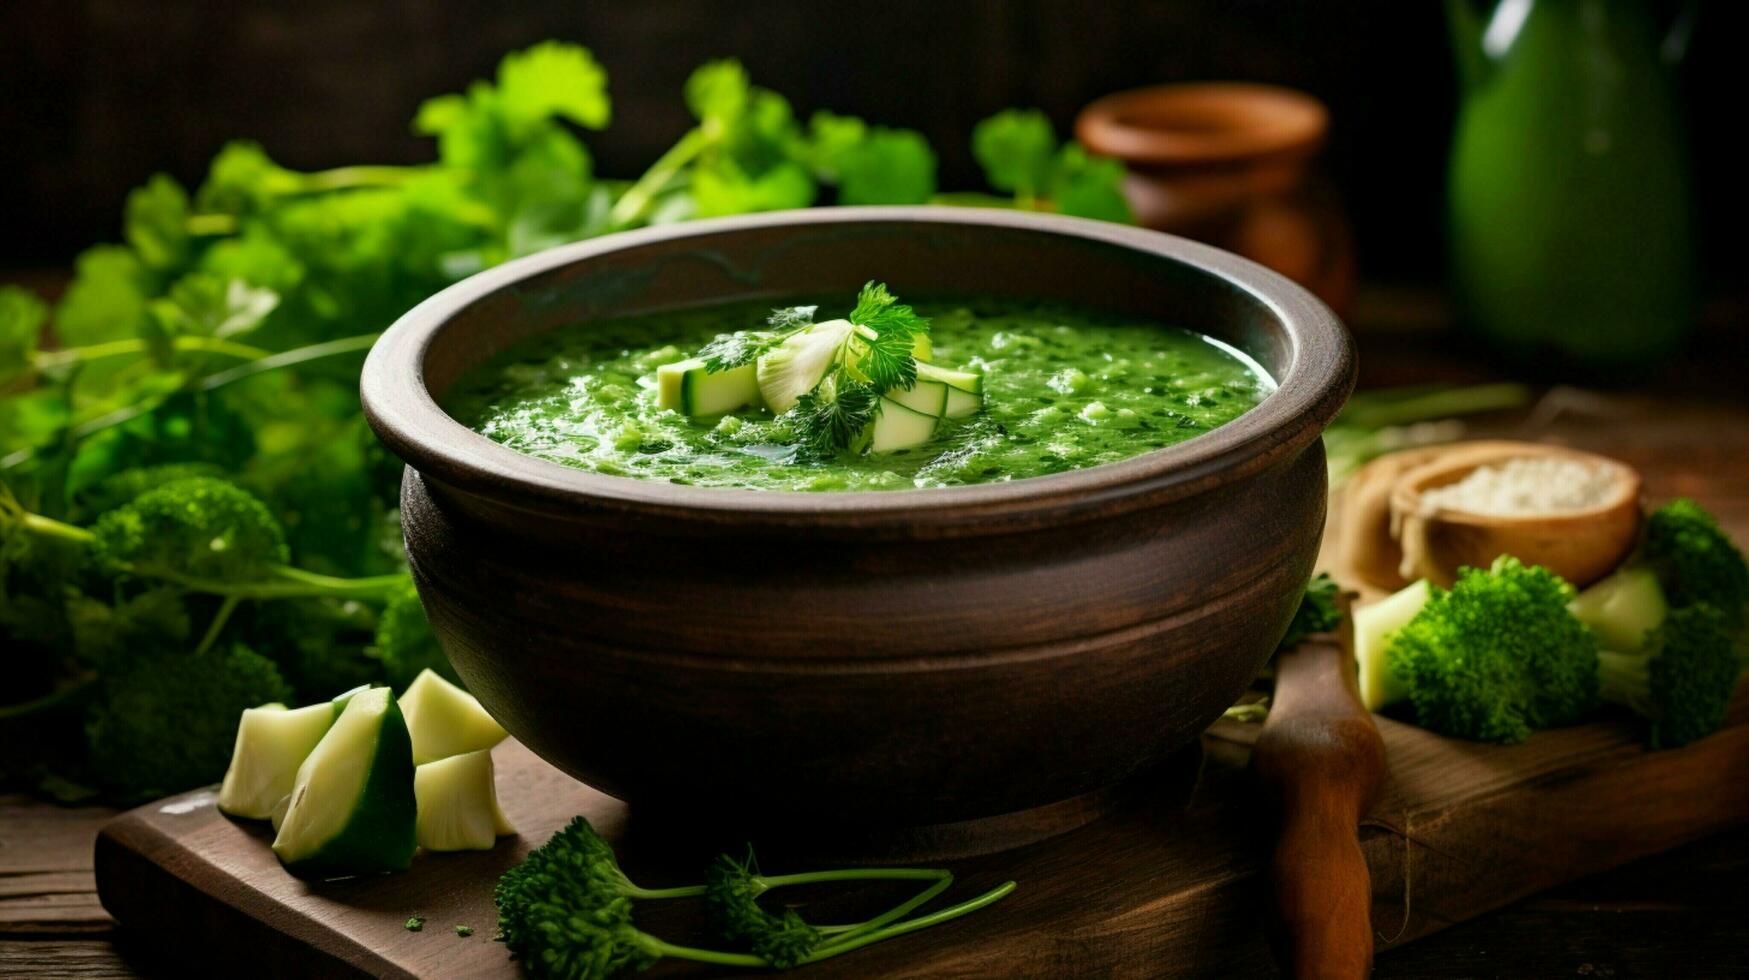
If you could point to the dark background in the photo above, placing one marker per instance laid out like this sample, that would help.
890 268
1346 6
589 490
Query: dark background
98 94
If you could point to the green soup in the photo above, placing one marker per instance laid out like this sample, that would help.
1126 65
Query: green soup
1064 388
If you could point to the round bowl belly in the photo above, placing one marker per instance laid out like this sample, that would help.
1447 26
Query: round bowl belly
911 657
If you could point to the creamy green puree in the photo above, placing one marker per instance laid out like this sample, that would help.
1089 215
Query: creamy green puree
1064 388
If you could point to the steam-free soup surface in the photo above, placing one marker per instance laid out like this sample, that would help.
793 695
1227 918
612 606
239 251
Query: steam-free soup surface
1064 388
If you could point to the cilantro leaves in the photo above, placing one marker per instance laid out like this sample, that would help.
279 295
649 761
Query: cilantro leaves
732 350
887 336
831 417
1019 153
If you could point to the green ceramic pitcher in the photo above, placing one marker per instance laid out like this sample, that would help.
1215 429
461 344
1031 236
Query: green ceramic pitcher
1570 213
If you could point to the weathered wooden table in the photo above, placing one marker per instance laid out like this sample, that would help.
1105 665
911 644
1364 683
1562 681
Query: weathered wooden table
1685 913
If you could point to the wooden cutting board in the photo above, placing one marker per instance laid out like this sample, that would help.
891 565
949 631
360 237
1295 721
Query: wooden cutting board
1156 888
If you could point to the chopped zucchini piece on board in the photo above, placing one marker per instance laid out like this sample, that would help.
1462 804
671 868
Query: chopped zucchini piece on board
458 804
1373 627
351 810
445 720
272 743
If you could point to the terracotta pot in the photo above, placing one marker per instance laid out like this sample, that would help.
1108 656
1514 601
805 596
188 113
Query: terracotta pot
1228 163
864 659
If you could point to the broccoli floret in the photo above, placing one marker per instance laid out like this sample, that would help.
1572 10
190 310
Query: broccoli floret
1498 656
1318 612
405 643
163 724
196 528
566 910
126 486
1681 680
732 892
1695 560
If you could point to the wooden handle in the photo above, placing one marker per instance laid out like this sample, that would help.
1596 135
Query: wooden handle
1322 756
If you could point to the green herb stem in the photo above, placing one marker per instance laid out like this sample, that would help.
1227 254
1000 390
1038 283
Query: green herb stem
70 694
634 204
210 225
217 626
211 382
47 360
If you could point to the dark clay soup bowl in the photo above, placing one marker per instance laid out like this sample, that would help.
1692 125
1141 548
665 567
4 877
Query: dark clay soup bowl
865 661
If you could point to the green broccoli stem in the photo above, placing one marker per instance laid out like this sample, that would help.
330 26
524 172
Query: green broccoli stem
277 581
767 883
1625 679
848 943
844 933
662 947
286 582
633 206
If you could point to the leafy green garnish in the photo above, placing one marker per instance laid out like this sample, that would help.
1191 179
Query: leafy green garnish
829 418
414 923
885 347
1020 155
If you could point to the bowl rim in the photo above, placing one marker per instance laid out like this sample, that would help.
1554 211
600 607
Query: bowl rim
1320 375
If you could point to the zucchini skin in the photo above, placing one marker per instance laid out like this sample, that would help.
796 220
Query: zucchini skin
382 833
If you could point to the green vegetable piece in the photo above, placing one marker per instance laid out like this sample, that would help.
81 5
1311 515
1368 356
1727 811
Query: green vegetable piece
1622 608
1498 656
444 720
732 890
1696 561
22 316
928 397
889 166
1016 148
897 428
405 643
1374 627
196 528
352 810
165 723
414 923
272 743
969 382
464 931
156 222
1318 612
690 387
458 804
798 365
1682 679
